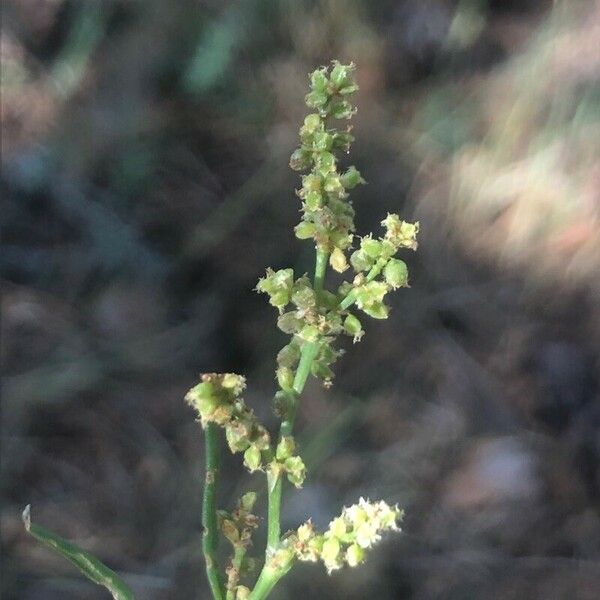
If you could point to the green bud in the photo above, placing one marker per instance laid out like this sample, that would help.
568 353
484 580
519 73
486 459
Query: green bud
304 296
333 184
280 299
361 261
247 501
296 471
289 355
285 448
318 80
370 293
341 109
316 99
309 333
289 323
242 593
325 163
351 178
285 378
337 528
355 555
237 435
322 140
252 458
342 141
330 554
377 310
311 183
312 123
337 260
305 230
371 247
300 160
396 273
313 201
235 383
353 327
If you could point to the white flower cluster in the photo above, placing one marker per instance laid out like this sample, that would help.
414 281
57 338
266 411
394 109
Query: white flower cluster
344 543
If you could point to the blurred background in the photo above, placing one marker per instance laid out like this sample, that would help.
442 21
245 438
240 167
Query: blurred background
145 189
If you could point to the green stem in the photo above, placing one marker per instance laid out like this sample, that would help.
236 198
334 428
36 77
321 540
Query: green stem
266 582
210 537
233 573
274 481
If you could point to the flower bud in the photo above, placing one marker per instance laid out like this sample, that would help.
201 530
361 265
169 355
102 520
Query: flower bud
309 333
237 435
396 273
322 140
353 327
252 458
371 247
300 160
313 201
377 310
305 230
296 471
318 80
341 109
289 355
333 184
242 593
338 261
289 323
247 501
285 448
351 178
355 555
311 183
285 378
331 554
361 261
312 122
316 99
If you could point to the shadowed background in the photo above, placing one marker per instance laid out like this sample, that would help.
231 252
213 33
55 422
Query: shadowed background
146 188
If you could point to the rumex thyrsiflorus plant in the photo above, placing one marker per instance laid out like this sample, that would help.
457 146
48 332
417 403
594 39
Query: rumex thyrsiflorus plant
314 317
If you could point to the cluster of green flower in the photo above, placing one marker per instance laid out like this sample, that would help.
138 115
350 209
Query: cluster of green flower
328 216
358 528
319 316
217 400
237 526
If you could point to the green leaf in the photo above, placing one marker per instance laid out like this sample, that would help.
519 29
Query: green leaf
89 565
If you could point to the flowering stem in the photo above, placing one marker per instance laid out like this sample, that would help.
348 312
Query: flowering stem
274 478
209 515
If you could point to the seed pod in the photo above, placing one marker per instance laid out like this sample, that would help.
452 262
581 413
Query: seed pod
305 230
396 273
351 178
353 327
285 378
338 261
252 458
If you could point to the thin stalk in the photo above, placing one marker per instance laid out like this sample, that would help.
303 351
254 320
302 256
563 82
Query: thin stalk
233 573
266 582
210 536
